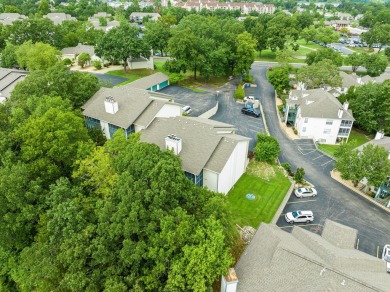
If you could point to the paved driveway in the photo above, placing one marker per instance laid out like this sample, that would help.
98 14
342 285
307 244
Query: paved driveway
199 102
334 201
109 80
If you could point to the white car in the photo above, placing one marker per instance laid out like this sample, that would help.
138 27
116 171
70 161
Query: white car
386 256
299 216
305 192
187 109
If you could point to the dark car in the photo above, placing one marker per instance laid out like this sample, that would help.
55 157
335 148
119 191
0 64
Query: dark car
250 112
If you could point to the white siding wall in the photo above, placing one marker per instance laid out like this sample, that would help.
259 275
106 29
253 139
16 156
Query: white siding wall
104 126
210 180
315 129
169 110
234 167
138 128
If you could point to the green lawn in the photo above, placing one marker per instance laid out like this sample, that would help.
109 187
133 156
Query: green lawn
356 138
269 194
269 56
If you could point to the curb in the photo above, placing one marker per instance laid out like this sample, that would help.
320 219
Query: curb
360 193
263 118
283 204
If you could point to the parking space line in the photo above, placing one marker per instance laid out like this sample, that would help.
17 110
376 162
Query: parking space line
301 201
326 163
300 225
309 152
318 157
311 148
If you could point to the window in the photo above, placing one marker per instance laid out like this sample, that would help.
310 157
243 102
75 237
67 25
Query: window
304 129
327 131
91 122
112 129
306 120
196 179
329 122
129 130
344 132
345 123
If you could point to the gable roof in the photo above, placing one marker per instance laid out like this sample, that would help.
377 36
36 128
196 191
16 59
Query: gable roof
318 103
203 146
276 260
77 50
8 80
383 142
149 81
9 18
132 103
59 17
348 80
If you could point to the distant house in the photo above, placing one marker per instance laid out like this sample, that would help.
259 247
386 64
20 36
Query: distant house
139 16
72 53
318 115
212 155
349 80
95 21
276 260
344 16
58 18
9 18
127 108
337 24
8 80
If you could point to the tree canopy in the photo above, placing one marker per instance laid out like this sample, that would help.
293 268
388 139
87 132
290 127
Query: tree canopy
267 148
323 73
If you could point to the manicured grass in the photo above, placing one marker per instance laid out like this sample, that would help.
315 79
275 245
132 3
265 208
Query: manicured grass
269 56
269 194
356 138
310 44
131 75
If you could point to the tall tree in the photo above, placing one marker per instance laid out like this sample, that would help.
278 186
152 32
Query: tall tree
121 43
327 35
246 52
324 54
368 103
349 164
267 148
157 35
323 73
379 34
279 29
375 64
356 60
38 56
308 33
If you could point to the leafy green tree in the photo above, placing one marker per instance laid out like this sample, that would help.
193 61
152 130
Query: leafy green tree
157 35
58 80
246 52
279 29
267 148
38 56
349 164
324 54
299 175
356 60
83 59
368 103
35 29
320 74
259 34
43 7
8 56
327 35
305 19
308 33
121 43
387 52
375 64
279 78
379 34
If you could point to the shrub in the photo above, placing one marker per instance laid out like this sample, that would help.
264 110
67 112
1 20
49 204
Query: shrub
298 176
248 78
267 148
97 64
295 131
240 92
175 78
287 167
83 59
67 62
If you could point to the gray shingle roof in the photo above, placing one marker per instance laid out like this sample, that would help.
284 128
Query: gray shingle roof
318 103
59 17
79 49
8 79
379 79
348 80
276 260
9 18
132 102
201 143
149 81
384 142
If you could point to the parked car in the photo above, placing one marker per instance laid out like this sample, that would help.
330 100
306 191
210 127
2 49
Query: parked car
251 112
299 216
386 256
305 192
187 109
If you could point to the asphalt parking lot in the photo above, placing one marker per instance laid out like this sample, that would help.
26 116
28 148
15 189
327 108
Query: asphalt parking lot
307 148
199 102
